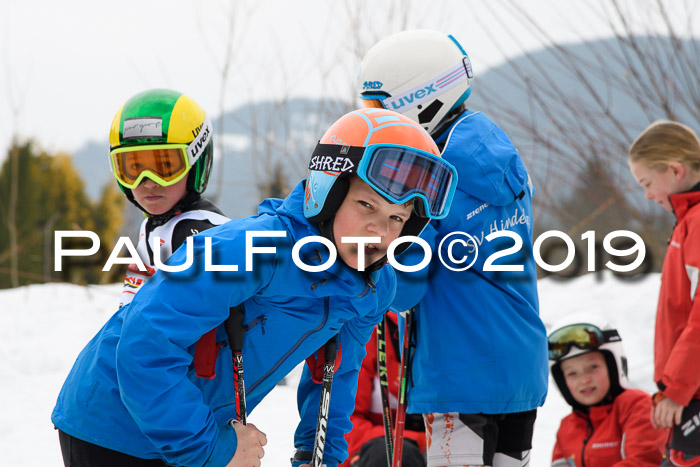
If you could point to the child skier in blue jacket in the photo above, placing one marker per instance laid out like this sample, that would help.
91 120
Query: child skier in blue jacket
480 368
134 390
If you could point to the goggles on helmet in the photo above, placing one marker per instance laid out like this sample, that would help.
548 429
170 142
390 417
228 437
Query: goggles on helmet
583 335
437 85
398 173
165 164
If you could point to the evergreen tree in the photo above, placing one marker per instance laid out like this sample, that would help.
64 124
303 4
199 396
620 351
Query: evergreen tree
51 196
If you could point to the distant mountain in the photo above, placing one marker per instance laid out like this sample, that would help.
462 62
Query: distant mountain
530 97
589 89
261 137
257 137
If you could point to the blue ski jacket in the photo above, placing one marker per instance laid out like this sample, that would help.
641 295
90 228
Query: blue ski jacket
481 346
134 388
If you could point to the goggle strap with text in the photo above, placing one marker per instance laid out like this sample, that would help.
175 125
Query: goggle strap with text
336 158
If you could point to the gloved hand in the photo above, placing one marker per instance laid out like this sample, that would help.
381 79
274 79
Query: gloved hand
302 459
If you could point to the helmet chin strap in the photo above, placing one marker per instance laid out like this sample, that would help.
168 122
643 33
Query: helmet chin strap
447 121
190 198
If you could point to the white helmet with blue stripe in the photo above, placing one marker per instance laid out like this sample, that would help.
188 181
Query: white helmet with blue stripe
422 74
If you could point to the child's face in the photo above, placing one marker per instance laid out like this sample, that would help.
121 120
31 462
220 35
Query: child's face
658 184
364 213
156 199
587 377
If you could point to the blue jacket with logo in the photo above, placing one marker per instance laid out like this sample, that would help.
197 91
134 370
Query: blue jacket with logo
480 343
134 388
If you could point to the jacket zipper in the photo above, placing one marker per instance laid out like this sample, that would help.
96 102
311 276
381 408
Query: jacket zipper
586 440
259 319
326 310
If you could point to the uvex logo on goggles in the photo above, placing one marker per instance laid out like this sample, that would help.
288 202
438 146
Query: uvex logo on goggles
202 136
583 336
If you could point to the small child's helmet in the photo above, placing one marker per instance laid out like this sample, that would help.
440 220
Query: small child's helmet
392 154
583 333
422 74
162 135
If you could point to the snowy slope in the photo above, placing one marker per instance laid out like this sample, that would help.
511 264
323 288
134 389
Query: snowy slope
44 327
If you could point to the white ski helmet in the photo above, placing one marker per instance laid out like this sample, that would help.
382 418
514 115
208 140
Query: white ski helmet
582 333
422 74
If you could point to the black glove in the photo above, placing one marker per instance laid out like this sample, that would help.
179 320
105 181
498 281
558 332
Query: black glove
301 457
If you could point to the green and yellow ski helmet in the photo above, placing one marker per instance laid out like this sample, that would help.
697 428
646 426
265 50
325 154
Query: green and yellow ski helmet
163 135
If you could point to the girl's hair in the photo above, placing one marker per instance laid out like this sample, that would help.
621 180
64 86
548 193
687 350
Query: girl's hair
665 141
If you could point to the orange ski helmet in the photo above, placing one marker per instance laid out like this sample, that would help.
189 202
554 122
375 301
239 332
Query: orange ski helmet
392 154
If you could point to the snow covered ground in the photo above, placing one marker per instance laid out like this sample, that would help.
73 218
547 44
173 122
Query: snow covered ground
44 327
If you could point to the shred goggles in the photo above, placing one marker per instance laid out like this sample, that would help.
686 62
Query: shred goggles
399 173
584 336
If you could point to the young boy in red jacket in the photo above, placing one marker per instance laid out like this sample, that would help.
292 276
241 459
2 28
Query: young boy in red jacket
609 424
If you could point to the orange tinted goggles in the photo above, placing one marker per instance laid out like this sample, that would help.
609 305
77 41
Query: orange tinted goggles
164 164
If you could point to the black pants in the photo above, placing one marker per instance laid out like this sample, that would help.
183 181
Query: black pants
373 454
79 453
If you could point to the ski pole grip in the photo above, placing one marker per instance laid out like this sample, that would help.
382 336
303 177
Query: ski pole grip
234 327
330 350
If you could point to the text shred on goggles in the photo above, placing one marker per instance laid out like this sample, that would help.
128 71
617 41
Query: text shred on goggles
398 172
584 336
166 164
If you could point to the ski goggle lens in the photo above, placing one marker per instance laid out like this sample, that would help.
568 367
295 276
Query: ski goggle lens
584 336
402 173
164 164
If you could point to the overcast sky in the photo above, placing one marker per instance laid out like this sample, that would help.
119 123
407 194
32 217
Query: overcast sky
66 67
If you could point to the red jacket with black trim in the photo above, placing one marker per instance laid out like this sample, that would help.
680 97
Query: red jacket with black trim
618 434
677 335
367 421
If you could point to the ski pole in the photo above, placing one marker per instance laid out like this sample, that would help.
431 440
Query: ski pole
324 406
384 388
401 409
235 331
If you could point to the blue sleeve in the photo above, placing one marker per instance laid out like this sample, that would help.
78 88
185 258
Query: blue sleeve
412 286
353 338
166 318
